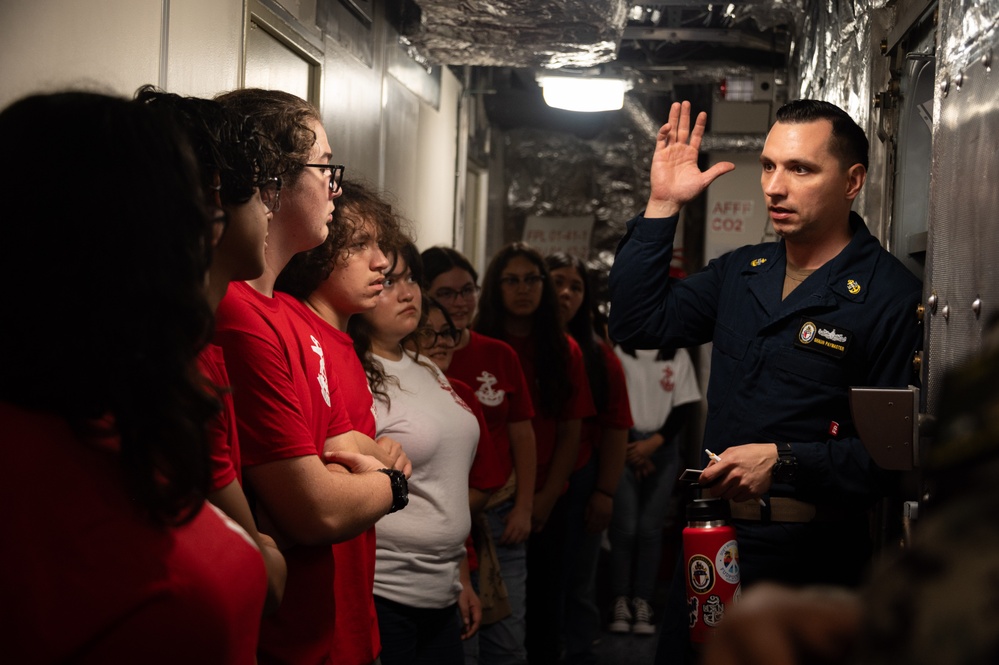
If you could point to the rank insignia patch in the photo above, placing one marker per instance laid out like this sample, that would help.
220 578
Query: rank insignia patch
853 286
757 262
823 338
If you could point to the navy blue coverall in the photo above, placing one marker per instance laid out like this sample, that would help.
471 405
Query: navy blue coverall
780 372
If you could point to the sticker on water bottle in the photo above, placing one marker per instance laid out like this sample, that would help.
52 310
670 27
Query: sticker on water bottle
700 573
727 562
714 611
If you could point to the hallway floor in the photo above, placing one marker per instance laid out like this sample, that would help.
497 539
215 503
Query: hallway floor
624 649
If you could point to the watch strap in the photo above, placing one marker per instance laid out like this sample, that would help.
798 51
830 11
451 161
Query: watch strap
400 489
785 470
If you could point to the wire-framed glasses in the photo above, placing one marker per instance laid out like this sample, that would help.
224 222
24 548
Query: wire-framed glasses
467 292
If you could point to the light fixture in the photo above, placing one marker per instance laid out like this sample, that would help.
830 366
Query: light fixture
587 94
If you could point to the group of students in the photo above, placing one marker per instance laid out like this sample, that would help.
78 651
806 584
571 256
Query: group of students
271 430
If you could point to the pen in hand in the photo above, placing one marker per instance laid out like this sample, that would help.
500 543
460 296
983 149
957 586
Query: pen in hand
716 458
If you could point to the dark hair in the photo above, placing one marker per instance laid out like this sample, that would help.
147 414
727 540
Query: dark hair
438 260
132 273
358 204
580 327
284 118
551 348
430 304
360 330
848 143
225 143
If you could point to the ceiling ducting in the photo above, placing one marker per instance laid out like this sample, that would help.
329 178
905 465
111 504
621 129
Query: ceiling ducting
520 33
612 35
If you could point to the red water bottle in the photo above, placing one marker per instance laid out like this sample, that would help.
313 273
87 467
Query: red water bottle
711 555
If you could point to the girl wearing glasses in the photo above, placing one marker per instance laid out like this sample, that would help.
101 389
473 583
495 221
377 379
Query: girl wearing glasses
423 596
520 307
492 369
435 340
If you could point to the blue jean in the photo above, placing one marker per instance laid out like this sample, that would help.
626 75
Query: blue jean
502 643
418 635
581 621
636 529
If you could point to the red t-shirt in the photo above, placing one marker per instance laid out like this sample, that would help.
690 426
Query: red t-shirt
486 474
579 405
491 368
88 578
222 438
287 405
616 414
356 640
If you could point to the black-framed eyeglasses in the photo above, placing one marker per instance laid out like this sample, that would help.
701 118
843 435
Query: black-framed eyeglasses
514 281
336 174
467 292
427 337
270 193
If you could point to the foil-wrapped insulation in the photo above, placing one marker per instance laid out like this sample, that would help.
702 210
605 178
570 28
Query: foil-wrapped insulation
714 71
645 125
733 143
520 33
964 26
641 120
771 13
555 174
830 54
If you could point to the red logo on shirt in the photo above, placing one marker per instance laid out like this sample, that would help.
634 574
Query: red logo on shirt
667 381
458 400
833 428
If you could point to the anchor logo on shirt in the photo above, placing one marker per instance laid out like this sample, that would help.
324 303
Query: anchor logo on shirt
486 394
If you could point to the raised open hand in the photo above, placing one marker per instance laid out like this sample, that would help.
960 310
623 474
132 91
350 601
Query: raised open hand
675 176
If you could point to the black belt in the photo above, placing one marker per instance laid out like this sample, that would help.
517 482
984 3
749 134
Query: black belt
785 509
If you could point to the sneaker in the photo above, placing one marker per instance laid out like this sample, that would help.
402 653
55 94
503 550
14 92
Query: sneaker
643 618
620 616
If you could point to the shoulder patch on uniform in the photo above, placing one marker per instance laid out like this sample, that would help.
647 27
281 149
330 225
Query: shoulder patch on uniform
853 286
758 262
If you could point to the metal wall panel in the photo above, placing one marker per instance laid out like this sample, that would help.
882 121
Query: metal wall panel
963 251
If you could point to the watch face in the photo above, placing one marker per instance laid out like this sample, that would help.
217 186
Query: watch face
784 471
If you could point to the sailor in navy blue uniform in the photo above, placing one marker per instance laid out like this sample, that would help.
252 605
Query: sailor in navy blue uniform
793 325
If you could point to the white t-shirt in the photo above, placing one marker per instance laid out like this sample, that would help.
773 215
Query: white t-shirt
656 387
420 547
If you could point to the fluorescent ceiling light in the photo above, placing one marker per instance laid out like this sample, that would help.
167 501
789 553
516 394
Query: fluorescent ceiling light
574 93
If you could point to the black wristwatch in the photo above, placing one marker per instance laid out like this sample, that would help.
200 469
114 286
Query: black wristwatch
785 470
400 489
